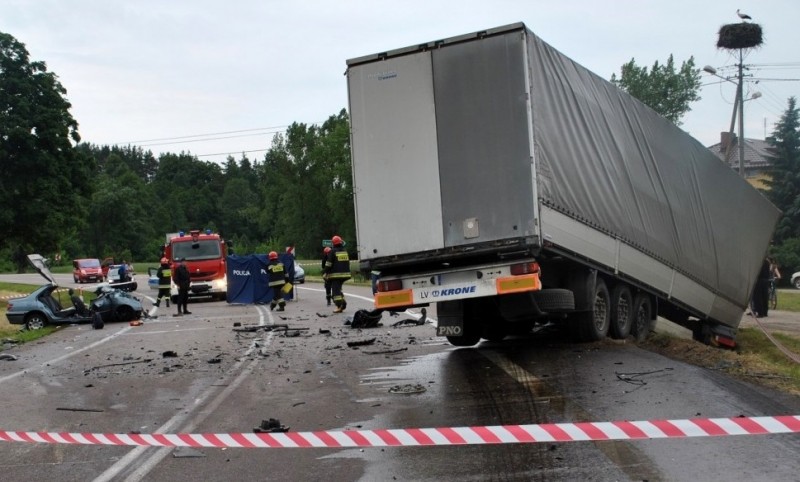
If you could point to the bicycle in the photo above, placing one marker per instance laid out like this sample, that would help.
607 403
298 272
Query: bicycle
773 294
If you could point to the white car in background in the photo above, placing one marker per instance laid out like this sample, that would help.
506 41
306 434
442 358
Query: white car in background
796 280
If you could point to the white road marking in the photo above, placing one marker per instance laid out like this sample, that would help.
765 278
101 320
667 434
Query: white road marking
182 419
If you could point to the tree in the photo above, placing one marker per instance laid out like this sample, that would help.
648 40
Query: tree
46 183
662 88
784 185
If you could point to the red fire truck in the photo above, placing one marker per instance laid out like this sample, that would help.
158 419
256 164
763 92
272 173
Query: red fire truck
205 255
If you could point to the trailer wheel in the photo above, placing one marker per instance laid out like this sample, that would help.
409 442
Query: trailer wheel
593 325
466 340
621 312
642 314
554 300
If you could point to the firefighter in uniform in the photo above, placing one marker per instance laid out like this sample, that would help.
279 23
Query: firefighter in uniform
277 278
337 270
325 278
164 275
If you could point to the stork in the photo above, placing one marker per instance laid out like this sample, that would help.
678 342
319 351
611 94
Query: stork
743 16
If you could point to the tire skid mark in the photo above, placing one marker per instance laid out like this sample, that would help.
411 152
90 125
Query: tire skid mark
623 455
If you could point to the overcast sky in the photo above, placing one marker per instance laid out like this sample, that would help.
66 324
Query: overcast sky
231 74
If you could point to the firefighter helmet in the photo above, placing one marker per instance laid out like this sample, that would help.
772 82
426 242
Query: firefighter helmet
273 255
337 241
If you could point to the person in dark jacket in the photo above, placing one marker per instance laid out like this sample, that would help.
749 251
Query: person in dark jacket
325 278
761 291
287 260
337 270
277 279
183 281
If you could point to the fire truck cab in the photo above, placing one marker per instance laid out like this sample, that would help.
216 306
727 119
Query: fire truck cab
205 255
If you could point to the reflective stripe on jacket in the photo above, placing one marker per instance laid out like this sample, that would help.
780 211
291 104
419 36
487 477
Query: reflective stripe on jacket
337 265
277 276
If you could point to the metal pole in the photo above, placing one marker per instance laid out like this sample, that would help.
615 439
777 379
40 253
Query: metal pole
740 98
729 145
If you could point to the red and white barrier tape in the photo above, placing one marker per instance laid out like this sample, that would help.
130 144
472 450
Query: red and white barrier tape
498 434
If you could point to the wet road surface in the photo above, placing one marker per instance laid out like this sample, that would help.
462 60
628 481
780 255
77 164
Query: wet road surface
118 380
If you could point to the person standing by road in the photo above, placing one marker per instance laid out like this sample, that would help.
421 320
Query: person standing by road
761 291
123 272
164 276
774 271
278 277
325 278
287 260
337 270
183 281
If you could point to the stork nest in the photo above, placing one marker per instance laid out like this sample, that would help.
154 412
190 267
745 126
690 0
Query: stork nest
740 36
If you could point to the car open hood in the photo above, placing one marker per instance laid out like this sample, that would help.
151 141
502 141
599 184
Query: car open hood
40 264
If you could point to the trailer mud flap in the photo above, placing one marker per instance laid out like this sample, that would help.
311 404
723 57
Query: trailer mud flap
450 318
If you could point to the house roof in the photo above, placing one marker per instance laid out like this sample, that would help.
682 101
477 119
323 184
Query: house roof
757 153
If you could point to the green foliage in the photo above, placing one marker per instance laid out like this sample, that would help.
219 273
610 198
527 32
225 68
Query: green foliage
46 183
787 255
662 88
784 185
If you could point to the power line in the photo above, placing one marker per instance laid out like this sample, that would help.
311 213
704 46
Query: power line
204 140
231 153
203 135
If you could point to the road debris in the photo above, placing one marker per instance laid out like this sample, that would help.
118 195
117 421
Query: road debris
365 319
187 452
408 322
635 378
146 360
352 344
271 426
277 327
71 409
385 352
6 356
169 354
408 389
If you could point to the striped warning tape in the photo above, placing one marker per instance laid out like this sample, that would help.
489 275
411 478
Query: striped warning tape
483 435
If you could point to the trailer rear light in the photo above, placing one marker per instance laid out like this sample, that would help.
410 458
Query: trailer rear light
524 268
391 285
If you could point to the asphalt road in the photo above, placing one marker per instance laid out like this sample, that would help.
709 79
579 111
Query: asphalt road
120 380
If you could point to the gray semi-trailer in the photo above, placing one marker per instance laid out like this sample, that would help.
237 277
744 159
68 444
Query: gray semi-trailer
501 180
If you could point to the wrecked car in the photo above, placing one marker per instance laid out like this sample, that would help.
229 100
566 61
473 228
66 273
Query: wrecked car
43 306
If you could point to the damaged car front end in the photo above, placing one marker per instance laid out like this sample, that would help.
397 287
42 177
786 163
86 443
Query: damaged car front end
43 306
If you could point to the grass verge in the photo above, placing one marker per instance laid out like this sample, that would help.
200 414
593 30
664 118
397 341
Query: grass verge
755 358
15 332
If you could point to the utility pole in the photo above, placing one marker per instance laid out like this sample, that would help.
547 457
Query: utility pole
740 99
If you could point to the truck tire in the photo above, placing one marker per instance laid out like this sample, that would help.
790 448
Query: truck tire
554 300
593 325
496 331
642 316
621 312
465 340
